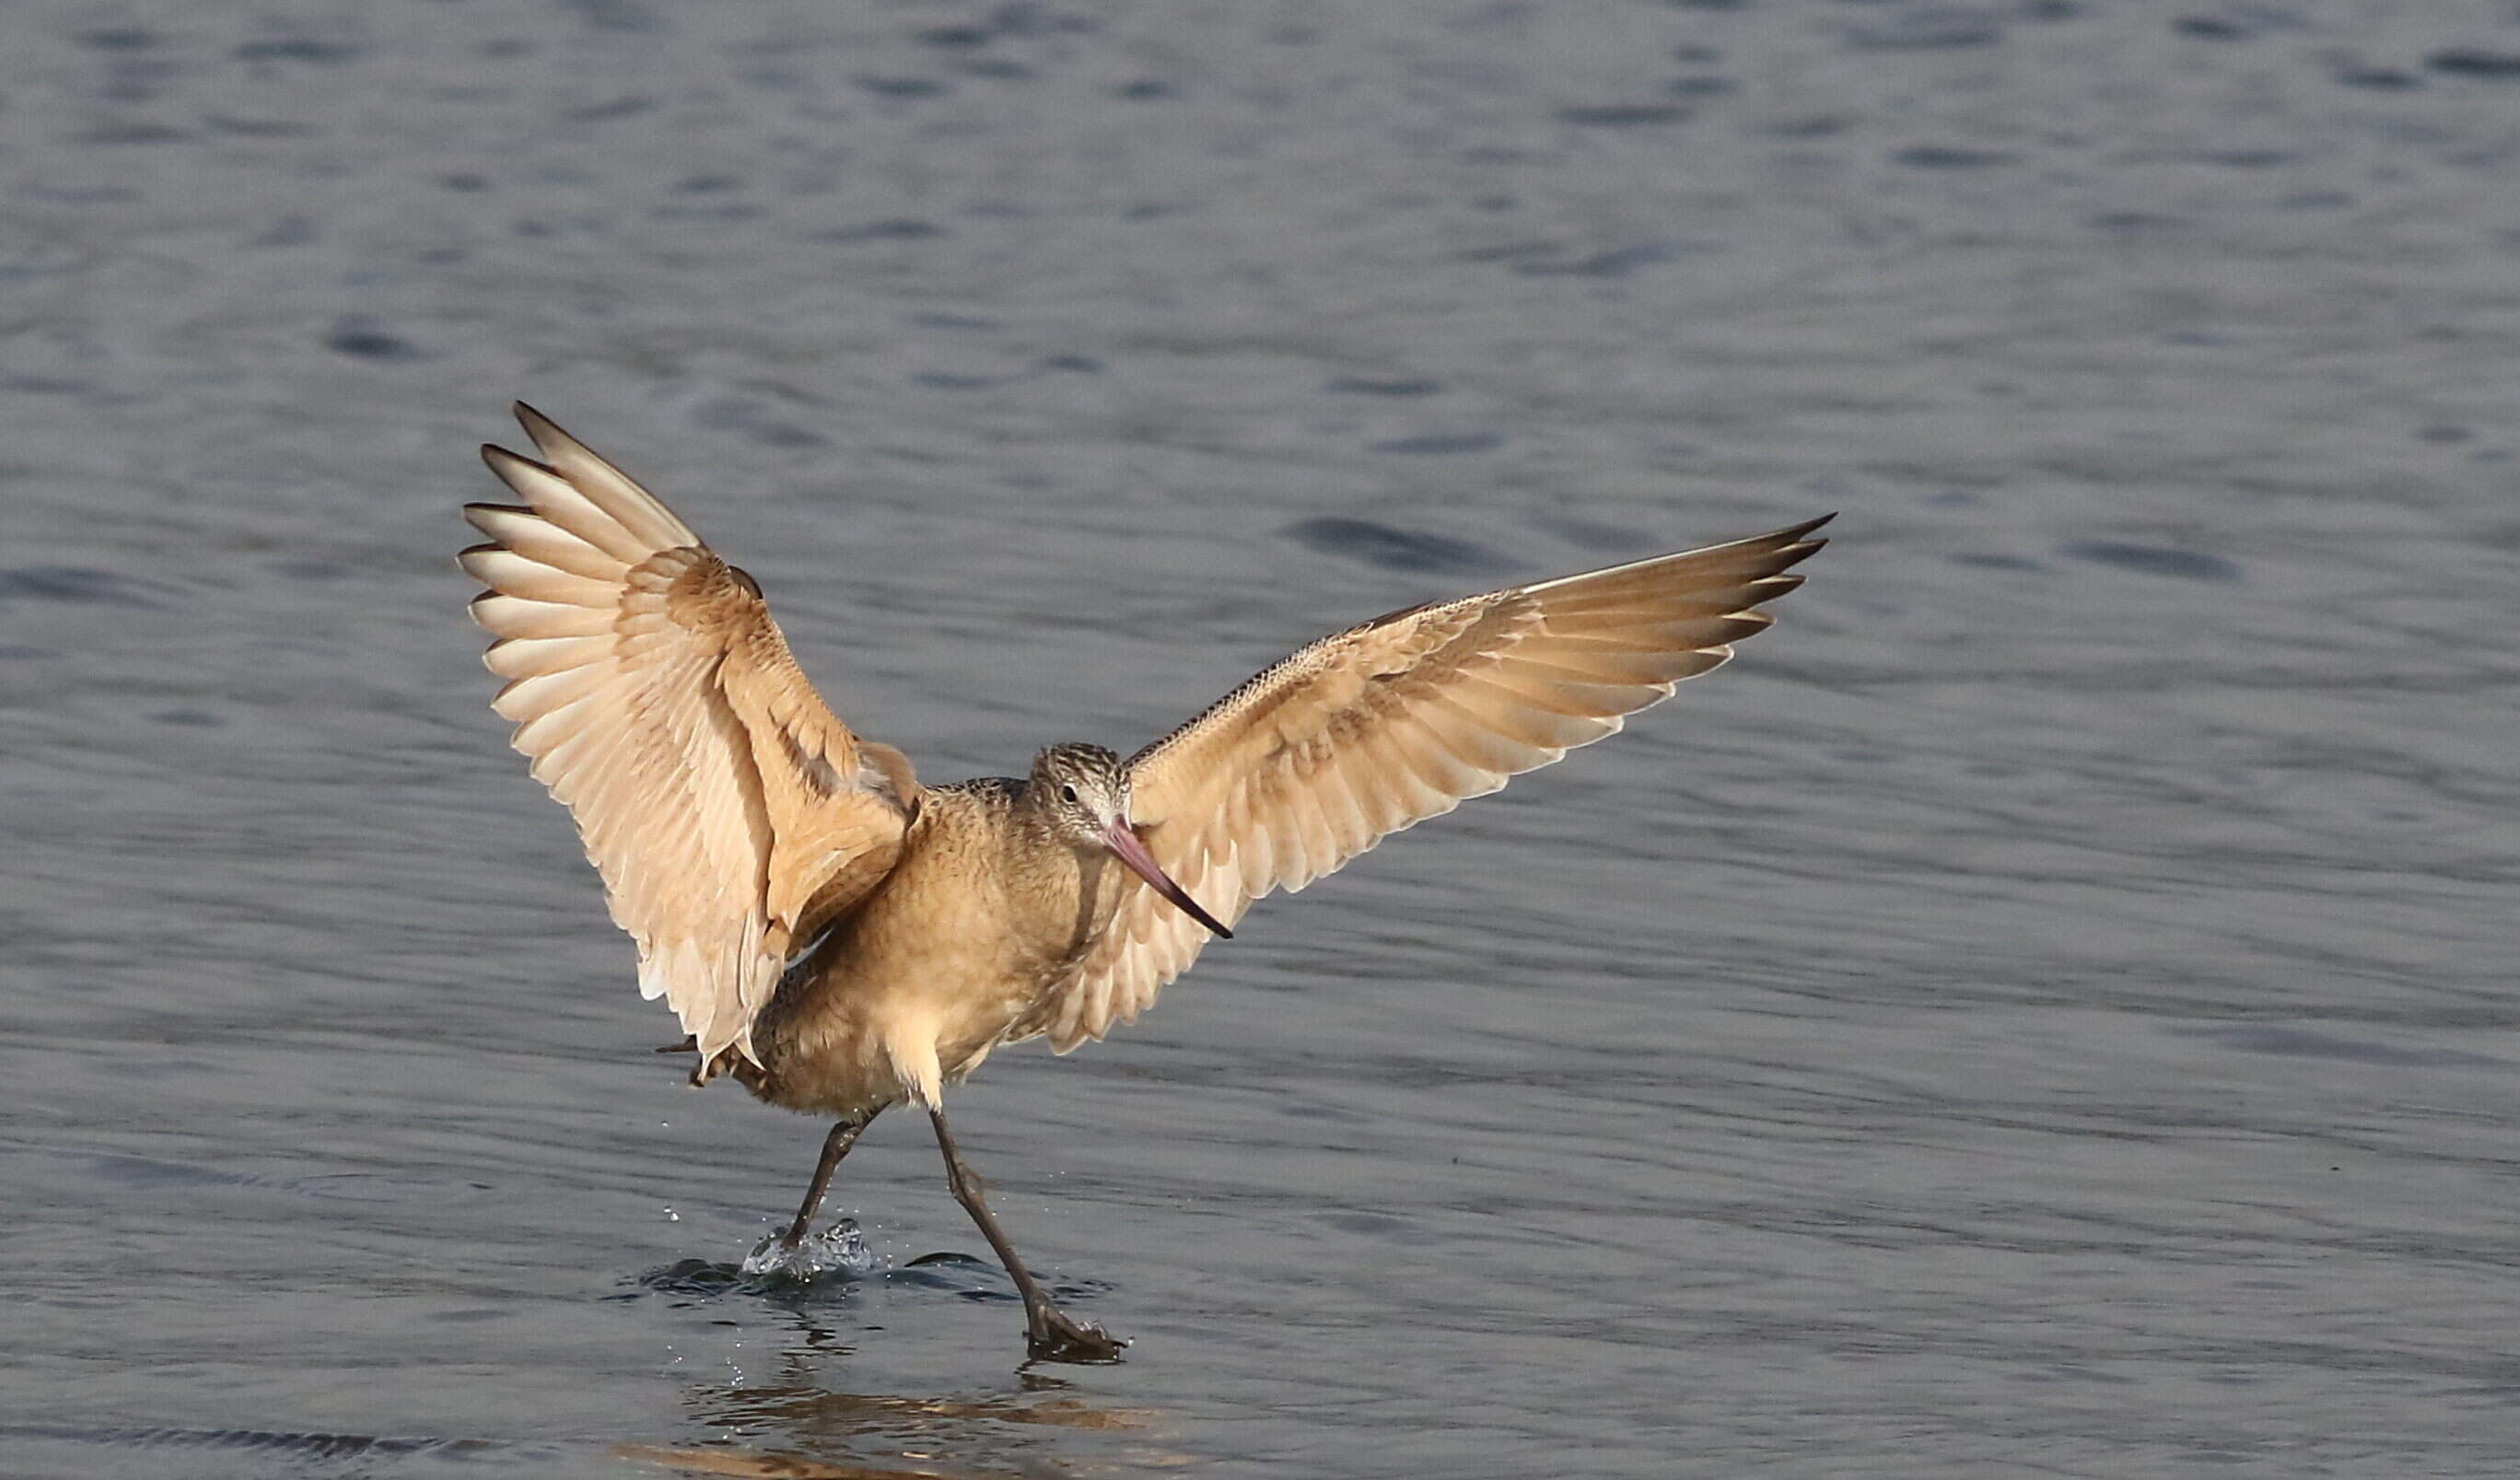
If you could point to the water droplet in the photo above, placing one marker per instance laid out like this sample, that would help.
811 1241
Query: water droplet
838 1249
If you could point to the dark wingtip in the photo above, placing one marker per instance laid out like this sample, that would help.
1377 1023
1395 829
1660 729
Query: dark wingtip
543 429
498 457
1793 544
1796 542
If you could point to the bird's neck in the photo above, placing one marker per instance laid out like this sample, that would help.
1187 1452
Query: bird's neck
1030 824
1062 895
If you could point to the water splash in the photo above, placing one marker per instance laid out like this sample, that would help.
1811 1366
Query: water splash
839 1249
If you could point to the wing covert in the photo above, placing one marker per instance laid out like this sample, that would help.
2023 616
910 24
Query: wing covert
729 811
1372 730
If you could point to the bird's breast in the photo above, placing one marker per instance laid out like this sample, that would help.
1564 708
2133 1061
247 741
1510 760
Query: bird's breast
949 955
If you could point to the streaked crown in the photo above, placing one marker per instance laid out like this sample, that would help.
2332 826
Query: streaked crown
1077 764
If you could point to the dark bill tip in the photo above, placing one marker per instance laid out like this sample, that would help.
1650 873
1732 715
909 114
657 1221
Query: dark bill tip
1126 846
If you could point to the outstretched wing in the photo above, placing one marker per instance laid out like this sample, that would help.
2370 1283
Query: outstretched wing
1366 732
730 812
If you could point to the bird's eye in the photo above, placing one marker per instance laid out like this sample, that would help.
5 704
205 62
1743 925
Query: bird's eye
1068 793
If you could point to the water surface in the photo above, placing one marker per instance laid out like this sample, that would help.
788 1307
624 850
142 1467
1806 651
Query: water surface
2045 1009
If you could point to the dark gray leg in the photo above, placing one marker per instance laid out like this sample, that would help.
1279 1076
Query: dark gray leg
1049 1335
844 1134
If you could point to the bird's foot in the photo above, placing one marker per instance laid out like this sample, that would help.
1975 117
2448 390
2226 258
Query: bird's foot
1054 1338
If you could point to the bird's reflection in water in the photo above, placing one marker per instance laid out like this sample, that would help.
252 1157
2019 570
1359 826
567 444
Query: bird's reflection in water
797 1421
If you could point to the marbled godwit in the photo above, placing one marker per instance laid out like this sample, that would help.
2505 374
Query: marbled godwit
842 939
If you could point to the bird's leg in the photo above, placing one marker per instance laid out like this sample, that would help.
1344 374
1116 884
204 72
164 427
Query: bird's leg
844 1134
1050 1334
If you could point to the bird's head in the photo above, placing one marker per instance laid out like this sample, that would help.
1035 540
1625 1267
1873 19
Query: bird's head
1084 791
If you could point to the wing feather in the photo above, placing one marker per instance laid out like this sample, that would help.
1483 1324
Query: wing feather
729 811
1372 730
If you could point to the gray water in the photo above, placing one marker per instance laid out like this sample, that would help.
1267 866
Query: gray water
2045 1009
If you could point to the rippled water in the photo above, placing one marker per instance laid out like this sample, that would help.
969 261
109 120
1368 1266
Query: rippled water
2045 1009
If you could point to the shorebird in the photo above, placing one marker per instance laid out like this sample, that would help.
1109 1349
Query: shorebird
842 939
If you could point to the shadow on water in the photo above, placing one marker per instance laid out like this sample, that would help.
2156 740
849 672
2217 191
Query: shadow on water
799 1421
833 1284
795 1416
802 1429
